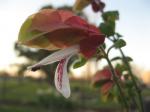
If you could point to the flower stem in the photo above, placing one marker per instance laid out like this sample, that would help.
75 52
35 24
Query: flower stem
132 77
115 78
133 80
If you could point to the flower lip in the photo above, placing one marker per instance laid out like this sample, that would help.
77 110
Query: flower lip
61 77
57 56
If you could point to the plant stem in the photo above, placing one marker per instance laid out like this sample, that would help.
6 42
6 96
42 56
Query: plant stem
133 80
109 49
132 77
115 78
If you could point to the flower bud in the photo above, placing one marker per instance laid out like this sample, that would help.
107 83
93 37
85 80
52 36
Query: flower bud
97 5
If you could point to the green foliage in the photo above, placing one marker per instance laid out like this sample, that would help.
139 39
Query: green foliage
129 84
120 43
121 67
23 34
118 35
120 58
108 28
80 62
39 96
110 16
116 58
53 101
128 58
113 95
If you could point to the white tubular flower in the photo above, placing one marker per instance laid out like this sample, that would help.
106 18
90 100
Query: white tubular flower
61 77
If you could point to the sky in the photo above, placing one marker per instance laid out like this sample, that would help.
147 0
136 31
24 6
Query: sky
134 25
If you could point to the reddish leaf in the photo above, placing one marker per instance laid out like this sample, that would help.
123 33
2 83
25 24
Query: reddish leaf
77 22
104 76
106 87
46 20
63 38
65 14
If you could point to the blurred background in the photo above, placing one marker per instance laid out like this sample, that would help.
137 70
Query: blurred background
22 90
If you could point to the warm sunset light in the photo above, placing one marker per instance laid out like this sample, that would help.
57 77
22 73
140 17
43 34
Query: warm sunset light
84 72
74 56
146 77
37 75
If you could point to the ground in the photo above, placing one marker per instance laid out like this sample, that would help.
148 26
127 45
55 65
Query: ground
28 95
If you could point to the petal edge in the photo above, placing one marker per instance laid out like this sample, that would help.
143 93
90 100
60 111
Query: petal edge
62 79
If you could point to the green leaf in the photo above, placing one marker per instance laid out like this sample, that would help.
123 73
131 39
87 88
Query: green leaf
129 84
108 28
128 58
121 67
24 29
116 58
120 43
120 58
110 16
118 35
25 34
115 91
107 97
80 62
104 45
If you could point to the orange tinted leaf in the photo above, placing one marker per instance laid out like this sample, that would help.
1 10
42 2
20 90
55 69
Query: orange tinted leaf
41 43
59 32
25 34
46 20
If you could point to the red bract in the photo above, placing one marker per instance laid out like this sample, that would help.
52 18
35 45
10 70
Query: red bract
63 29
104 79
